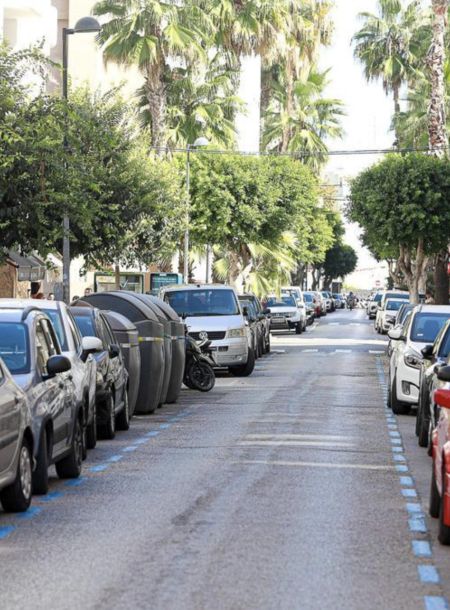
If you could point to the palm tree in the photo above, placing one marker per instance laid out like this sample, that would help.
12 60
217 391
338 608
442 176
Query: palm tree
437 127
388 44
304 127
155 35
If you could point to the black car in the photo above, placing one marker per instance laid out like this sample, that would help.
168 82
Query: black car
254 326
112 410
263 322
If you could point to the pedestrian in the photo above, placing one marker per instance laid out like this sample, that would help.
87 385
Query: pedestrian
51 296
429 299
36 291
75 299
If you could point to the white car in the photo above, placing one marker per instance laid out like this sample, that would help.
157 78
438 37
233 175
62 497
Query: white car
300 301
388 313
420 329
372 305
388 294
284 313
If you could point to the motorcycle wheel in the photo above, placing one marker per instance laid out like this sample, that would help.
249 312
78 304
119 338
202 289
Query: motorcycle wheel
201 376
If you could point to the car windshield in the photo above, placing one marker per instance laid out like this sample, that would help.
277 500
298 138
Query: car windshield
377 297
203 302
85 325
427 325
285 300
393 305
444 350
308 297
57 322
404 311
14 347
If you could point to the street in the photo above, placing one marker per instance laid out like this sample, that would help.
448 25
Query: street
287 489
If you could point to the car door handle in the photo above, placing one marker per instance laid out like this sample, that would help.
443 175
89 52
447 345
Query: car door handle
61 385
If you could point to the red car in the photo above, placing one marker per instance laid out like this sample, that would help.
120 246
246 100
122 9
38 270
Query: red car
440 479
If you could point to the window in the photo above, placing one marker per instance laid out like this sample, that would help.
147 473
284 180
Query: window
74 331
42 349
203 302
444 349
57 322
52 341
2 376
85 325
286 300
426 326
393 305
14 347
109 331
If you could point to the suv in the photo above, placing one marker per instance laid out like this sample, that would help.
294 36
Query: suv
112 377
16 445
78 350
284 313
300 302
420 329
211 311
29 346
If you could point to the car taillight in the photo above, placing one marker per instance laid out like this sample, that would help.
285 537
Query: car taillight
442 398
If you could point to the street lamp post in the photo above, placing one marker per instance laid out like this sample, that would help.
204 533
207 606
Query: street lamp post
85 25
197 144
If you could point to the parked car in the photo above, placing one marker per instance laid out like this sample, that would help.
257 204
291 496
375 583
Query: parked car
329 303
79 350
388 314
284 313
389 294
30 348
312 307
254 330
300 303
317 301
339 301
421 328
111 397
211 311
16 444
433 357
400 320
372 305
263 319
440 473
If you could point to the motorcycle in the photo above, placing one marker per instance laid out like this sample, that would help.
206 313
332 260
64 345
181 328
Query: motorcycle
198 371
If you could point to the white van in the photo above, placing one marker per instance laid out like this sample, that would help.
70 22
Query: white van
212 311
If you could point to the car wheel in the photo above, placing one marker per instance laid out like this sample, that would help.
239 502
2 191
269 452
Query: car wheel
298 328
40 474
435 498
444 530
70 466
268 346
123 418
16 498
244 370
91 431
398 407
107 430
424 425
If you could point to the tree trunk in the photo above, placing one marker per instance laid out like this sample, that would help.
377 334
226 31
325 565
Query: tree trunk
289 109
157 106
396 94
441 283
117 277
438 141
414 270
266 90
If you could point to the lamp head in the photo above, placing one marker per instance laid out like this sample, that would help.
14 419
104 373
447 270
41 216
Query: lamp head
202 141
87 24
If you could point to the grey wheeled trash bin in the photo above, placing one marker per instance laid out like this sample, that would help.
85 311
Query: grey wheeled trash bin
151 343
178 349
128 338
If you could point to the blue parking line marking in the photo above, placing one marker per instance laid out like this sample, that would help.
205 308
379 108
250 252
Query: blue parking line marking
399 458
394 434
164 426
435 602
406 481
417 524
98 468
409 493
152 433
76 482
53 495
392 426
421 548
130 448
396 441
413 507
115 458
6 530
428 574
33 511
401 468
397 449
141 441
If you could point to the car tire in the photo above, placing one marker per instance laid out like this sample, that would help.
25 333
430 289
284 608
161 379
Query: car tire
244 370
435 498
424 428
91 431
16 498
398 407
70 466
444 530
40 474
107 430
123 418
298 329
268 346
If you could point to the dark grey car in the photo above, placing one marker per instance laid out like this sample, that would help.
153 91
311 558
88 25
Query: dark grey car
16 444
29 345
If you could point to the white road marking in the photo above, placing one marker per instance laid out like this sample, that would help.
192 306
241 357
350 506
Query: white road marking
324 437
268 443
318 465
309 351
343 351
376 351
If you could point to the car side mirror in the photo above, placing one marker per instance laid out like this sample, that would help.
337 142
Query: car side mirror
245 312
90 345
56 365
427 351
114 351
444 373
395 334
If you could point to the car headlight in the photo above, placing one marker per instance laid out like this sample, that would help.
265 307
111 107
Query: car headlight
413 360
99 378
234 333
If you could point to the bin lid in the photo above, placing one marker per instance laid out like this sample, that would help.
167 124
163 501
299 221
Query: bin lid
160 314
167 309
123 302
118 322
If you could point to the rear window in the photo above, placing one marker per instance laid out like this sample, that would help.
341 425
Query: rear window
286 299
445 345
203 302
85 325
58 325
426 326
377 298
14 347
394 305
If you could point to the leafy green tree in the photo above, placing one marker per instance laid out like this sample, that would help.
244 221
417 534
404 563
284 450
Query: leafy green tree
403 206
340 260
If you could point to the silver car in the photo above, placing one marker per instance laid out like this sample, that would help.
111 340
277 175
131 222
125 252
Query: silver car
16 445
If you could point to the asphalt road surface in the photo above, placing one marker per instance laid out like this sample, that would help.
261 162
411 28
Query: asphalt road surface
293 489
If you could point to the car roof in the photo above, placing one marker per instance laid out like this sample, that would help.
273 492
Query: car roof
22 303
19 314
432 309
196 287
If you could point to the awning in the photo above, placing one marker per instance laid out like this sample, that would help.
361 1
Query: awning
29 268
